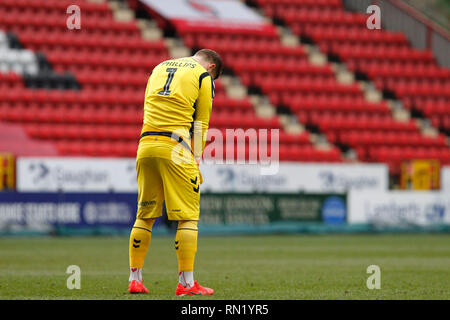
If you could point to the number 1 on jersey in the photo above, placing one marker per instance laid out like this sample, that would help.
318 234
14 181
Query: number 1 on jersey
166 90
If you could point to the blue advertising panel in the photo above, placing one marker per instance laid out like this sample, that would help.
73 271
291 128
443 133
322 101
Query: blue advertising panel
111 213
334 210
68 209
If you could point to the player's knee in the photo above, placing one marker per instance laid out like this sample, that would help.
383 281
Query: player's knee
145 223
187 224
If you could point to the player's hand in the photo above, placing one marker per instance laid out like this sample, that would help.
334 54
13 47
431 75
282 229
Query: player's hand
197 160
201 177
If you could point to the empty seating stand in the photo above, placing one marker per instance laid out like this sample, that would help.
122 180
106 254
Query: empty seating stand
110 63
83 90
388 60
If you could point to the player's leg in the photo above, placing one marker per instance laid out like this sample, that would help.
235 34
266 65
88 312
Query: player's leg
182 195
140 238
150 199
186 248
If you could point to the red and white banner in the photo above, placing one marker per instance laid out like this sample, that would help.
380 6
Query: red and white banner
214 15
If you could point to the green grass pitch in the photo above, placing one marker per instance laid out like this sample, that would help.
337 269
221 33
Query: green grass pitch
287 267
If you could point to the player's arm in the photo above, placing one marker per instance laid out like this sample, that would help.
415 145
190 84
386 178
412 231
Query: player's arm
150 79
202 114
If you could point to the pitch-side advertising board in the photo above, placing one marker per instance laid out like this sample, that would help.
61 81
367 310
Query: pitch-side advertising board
55 174
399 208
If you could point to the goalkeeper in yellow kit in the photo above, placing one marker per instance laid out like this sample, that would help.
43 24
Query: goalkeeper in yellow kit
178 103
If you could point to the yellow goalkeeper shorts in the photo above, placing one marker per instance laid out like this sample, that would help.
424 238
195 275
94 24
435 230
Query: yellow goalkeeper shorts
165 175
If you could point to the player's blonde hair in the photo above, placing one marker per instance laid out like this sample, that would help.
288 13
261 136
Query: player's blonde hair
212 57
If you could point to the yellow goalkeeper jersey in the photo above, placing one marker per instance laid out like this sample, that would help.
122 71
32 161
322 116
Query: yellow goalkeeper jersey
179 92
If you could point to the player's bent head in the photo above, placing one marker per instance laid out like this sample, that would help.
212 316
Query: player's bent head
212 60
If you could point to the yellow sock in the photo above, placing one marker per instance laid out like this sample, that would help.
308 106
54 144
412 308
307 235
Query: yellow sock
140 241
186 245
